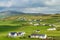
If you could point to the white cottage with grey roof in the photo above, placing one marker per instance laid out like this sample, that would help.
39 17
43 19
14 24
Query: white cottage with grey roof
51 29
20 34
16 34
36 24
12 34
52 25
31 23
42 36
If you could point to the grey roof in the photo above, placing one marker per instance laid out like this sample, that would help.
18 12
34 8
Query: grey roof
37 34
19 32
13 33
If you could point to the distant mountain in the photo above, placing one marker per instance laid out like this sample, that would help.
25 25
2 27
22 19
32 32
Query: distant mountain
17 13
11 12
4 14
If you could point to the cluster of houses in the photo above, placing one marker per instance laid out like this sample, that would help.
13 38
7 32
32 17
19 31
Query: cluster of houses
15 34
51 25
38 23
34 35
20 34
42 36
31 21
25 19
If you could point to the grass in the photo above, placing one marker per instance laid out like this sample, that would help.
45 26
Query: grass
4 28
7 26
28 29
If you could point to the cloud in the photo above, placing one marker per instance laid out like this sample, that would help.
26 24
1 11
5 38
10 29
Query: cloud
35 3
52 2
5 3
37 6
38 10
30 3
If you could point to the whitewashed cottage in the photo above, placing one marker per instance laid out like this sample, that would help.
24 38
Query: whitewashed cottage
36 24
19 34
12 34
51 29
41 36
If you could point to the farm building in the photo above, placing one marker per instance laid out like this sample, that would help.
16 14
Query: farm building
12 34
43 24
52 25
23 19
46 24
36 24
30 23
20 34
42 36
51 29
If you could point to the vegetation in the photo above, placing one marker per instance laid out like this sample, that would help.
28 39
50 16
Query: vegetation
21 23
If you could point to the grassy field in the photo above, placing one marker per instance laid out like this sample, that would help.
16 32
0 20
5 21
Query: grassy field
14 24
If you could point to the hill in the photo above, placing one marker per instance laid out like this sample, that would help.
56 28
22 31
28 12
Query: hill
8 13
5 14
18 23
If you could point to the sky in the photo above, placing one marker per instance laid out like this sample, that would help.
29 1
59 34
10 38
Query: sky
31 6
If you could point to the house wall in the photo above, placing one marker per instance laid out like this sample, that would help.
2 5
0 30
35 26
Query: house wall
12 35
42 37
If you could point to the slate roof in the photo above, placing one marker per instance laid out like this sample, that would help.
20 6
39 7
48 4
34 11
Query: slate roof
20 32
13 33
37 34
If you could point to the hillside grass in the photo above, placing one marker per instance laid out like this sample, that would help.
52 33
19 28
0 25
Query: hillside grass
11 25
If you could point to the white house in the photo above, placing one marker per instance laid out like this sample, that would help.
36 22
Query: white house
19 34
51 29
42 36
23 19
52 25
36 24
12 34
30 23
46 25
43 24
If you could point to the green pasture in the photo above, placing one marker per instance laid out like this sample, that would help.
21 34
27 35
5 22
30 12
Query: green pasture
7 26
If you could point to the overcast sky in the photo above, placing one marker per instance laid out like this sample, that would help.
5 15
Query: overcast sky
32 6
